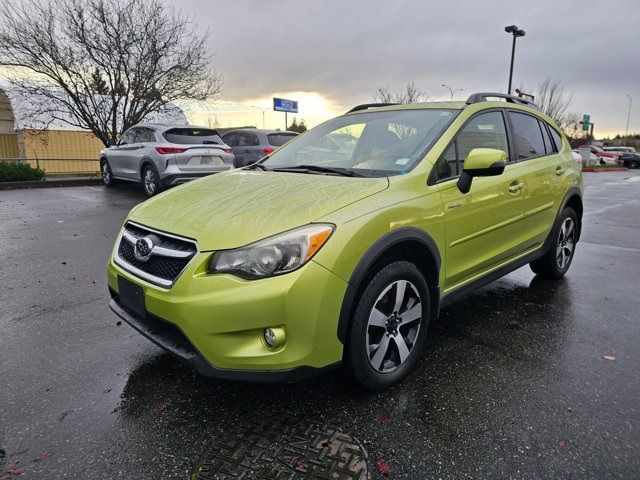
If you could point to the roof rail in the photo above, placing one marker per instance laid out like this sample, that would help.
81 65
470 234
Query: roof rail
370 105
482 97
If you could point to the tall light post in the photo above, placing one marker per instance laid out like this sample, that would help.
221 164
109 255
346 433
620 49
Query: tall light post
516 32
626 132
453 90
263 110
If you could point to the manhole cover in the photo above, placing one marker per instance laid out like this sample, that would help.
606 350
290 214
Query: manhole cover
285 448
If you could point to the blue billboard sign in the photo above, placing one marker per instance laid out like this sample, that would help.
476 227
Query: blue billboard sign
284 105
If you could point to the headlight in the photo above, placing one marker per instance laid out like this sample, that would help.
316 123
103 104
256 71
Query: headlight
274 255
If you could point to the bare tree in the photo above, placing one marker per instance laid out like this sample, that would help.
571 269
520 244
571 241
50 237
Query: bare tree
104 65
554 101
410 94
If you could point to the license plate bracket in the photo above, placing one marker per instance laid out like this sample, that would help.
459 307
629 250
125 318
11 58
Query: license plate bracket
131 297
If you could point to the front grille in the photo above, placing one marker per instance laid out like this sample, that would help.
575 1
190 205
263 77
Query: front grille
168 258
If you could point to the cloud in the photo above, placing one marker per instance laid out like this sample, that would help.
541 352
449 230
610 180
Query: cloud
346 49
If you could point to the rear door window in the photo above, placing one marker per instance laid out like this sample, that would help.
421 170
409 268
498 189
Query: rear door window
279 139
192 136
528 136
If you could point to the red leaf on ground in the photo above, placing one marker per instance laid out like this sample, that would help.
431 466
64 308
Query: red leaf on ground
118 408
46 390
19 452
608 357
159 408
382 418
12 468
512 324
474 333
302 464
118 323
45 456
62 415
383 467
562 442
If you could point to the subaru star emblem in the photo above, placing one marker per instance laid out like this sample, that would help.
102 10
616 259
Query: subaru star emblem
143 248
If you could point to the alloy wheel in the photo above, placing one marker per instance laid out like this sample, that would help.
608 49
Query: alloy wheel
106 173
149 182
393 326
566 243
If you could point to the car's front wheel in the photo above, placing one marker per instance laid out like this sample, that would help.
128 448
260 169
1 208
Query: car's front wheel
389 327
106 173
633 164
150 181
556 262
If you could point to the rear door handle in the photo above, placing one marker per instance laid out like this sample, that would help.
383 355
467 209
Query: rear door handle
516 188
560 171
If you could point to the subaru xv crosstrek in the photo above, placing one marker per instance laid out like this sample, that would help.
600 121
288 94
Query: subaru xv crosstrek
160 156
299 262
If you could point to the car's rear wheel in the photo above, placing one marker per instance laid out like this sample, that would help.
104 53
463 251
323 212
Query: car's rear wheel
389 327
107 174
150 181
556 262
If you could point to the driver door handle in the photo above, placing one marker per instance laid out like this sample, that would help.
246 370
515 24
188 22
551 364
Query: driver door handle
516 188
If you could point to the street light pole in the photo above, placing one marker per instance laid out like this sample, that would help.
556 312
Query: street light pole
516 32
453 90
263 110
626 132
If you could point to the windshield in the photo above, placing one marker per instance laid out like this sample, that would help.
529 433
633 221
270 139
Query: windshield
369 144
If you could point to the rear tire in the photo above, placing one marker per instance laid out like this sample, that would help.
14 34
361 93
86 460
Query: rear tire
151 181
557 260
107 174
389 327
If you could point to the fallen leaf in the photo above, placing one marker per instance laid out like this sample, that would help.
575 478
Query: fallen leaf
63 263
512 324
608 357
118 408
159 408
19 452
45 456
302 464
118 323
474 333
106 390
382 418
562 442
383 467
62 415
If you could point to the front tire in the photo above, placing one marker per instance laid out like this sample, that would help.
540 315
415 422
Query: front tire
389 327
633 164
107 174
150 181
556 262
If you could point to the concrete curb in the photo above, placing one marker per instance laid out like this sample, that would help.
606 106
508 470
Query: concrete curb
78 182
612 169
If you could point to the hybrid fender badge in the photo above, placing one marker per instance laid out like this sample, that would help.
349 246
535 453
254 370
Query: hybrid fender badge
143 249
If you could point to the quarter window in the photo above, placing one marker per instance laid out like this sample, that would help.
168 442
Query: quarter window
528 136
548 146
486 130
128 137
557 139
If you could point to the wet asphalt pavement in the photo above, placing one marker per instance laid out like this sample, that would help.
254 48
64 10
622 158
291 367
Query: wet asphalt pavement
513 384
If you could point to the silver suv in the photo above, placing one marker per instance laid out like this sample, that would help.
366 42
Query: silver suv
160 156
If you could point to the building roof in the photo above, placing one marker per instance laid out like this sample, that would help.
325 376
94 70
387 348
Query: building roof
30 111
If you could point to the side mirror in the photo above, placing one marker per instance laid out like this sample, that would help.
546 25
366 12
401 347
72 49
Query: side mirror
481 162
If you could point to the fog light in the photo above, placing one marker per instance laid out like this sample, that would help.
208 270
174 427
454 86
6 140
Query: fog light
274 337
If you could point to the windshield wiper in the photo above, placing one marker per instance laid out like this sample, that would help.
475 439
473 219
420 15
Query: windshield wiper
318 168
257 165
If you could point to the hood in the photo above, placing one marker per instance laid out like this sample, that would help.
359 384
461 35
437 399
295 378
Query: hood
235 208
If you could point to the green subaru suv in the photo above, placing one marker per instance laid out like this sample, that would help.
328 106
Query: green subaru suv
343 245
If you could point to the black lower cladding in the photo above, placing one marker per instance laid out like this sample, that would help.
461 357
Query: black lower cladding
167 268
170 338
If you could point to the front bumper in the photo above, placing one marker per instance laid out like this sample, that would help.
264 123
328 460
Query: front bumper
215 323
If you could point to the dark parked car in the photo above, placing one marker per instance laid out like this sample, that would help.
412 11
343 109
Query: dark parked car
250 145
630 160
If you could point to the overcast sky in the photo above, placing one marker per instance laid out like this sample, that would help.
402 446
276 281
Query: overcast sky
344 49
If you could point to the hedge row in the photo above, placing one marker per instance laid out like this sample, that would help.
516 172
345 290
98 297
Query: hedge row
19 172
